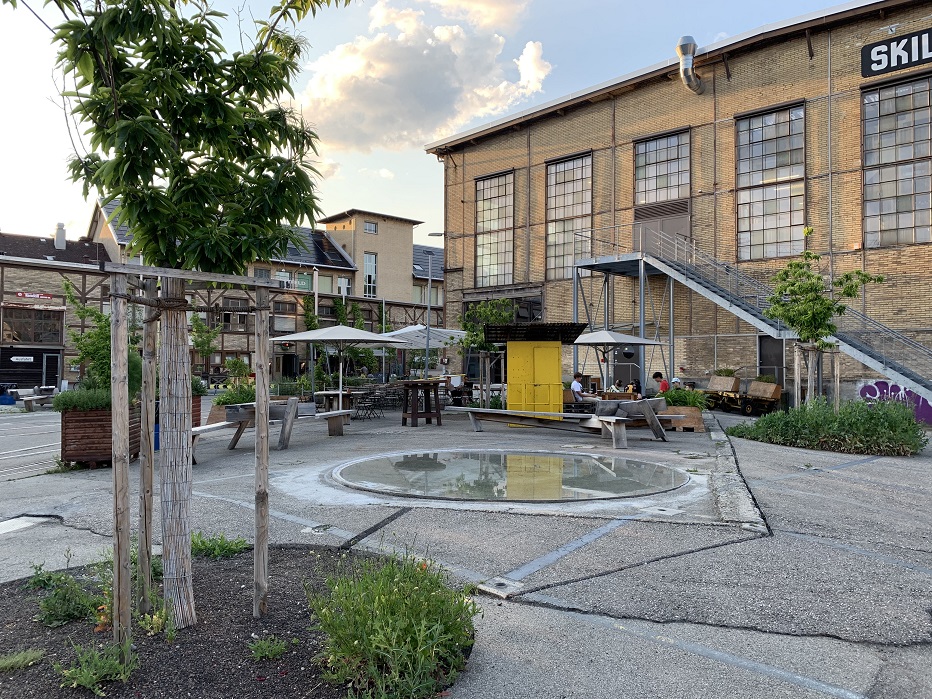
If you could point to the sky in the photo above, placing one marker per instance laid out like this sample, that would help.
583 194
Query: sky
382 79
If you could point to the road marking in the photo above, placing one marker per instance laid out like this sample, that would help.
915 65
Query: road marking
31 453
18 451
17 523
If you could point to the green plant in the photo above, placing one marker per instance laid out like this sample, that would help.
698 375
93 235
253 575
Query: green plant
20 659
203 337
236 368
198 387
725 372
766 378
217 546
269 648
393 629
477 316
496 403
683 397
43 579
93 667
886 428
156 622
86 399
67 601
238 393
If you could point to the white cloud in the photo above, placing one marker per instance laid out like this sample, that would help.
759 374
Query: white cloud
408 83
383 173
721 36
489 14
327 168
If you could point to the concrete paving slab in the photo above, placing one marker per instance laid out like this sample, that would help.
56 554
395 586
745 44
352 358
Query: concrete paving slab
779 585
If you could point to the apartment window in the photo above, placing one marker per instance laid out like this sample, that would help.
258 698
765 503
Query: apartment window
569 211
262 273
325 284
369 271
235 321
897 164
29 326
495 230
344 286
287 307
370 227
771 194
661 169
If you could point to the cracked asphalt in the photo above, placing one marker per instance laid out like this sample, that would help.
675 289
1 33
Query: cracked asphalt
774 572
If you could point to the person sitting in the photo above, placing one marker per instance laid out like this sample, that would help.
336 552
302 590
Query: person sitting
616 387
635 388
578 394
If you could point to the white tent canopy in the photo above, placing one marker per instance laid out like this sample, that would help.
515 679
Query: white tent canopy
341 337
604 341
416 336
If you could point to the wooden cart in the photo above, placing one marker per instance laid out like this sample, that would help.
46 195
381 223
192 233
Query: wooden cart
761 397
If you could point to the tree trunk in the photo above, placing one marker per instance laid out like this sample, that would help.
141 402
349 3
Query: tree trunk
175 471
812 358
146 459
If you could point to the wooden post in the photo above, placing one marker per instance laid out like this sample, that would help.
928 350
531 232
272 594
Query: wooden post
261 546
797 378
836 371
119 396
146 456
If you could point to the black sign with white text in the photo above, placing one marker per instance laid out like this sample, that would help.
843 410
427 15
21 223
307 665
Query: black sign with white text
896 53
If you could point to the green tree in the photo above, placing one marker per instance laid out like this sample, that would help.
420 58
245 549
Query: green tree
209 169
804 303
477 316
203 339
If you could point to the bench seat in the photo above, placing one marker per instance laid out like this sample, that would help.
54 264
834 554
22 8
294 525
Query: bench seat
335 421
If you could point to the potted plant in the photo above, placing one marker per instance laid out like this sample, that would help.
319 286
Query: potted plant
86 423
682 401
235 394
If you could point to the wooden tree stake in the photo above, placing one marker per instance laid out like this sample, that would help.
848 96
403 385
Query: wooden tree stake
146 460
261 547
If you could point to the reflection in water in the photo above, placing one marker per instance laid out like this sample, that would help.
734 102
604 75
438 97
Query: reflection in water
524 476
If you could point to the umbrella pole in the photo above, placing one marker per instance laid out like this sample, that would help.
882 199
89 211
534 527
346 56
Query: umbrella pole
340 386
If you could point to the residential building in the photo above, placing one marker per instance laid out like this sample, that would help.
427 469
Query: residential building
663 202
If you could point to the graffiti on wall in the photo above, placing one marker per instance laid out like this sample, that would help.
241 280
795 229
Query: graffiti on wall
884 390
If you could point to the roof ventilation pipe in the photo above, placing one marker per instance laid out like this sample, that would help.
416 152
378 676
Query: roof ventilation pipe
686 50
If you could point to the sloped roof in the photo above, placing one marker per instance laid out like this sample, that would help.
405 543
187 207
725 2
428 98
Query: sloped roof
350 213
420 262
81 251
322 250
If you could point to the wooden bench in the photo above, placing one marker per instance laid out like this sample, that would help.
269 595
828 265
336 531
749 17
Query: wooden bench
30 402
335 421
609 425
203 429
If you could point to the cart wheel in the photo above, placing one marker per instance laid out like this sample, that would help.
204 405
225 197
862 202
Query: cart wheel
747 407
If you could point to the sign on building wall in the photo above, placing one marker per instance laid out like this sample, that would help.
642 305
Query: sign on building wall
31 295
896 53
304 282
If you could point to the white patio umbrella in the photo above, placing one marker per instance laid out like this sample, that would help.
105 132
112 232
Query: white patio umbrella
604 341
341 337
416 336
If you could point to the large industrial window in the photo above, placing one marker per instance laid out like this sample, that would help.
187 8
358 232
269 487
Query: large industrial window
661 169
495 230
369 269
771 196
897 165
32 326
569 212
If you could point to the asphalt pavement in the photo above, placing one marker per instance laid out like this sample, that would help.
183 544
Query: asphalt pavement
773 572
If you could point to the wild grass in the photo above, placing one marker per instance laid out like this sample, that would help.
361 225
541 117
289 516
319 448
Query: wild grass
20 659
217 546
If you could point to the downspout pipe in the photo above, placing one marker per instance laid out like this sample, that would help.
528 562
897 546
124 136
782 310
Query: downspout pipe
686 50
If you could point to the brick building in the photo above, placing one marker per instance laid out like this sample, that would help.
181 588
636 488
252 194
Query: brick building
663 201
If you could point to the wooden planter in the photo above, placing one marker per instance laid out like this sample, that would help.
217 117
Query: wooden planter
693 421
195 411
86 435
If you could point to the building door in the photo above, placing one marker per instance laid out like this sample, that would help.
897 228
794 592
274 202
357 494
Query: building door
770 358
646 232
51 369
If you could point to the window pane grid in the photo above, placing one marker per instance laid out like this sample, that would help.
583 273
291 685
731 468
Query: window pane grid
661 169
494 235
369 275
569 207
771 187
897 159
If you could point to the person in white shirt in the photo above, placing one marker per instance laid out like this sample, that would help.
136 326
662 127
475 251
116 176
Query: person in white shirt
578 394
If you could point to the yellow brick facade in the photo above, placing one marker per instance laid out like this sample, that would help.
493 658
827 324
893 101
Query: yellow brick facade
758 75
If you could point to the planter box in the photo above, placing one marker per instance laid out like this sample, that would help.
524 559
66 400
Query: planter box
195 411
693 421
86 435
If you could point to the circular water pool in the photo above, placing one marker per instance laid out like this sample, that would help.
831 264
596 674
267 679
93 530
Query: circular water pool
520 476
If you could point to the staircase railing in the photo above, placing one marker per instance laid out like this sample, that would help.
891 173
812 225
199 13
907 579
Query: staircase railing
861 332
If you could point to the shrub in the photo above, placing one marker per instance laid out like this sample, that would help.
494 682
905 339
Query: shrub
67 601
216 546
393 629
683 397
270 648
725 372
96 399
884 428
198 387
93 667
238 393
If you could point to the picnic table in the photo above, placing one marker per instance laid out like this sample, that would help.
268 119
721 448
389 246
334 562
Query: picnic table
421 399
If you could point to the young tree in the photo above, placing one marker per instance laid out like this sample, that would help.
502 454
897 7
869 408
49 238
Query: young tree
803 303
203 339
473 321
209 169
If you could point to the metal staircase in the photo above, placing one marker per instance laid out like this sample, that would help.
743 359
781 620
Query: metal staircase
901 359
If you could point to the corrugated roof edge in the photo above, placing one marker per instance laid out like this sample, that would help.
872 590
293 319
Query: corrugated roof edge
349 213
762 33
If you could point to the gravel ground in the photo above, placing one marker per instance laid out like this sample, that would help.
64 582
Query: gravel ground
211 660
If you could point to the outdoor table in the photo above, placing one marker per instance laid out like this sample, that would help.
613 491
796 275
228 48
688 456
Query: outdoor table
410 405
